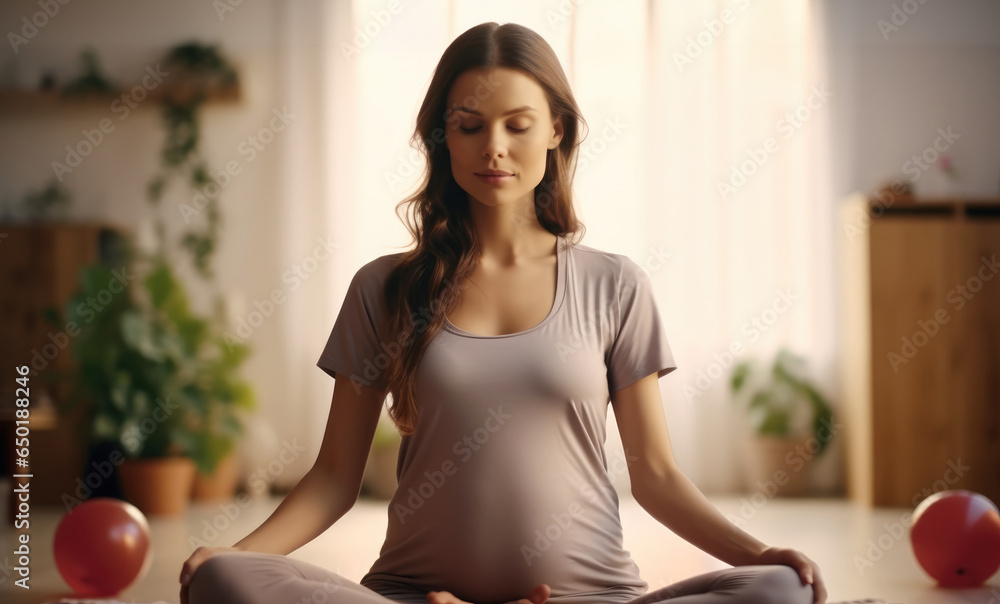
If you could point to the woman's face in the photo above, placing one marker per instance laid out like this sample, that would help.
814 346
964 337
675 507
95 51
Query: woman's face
498 118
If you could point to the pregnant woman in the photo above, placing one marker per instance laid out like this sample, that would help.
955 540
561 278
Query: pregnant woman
502 342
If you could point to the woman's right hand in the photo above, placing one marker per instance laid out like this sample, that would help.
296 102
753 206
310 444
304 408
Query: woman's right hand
199 555
538 595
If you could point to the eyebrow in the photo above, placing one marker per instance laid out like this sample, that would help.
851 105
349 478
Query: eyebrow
511 112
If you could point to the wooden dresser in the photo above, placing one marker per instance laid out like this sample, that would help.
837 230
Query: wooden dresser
920 324
40 269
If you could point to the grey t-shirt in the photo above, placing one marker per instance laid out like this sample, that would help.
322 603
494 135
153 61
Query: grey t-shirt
504 483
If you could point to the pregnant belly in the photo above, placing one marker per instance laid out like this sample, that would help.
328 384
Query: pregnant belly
485 546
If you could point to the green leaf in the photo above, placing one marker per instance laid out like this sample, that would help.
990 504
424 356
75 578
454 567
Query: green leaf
762 399
141 405
774 423
138 335
51 316
104 427
739 376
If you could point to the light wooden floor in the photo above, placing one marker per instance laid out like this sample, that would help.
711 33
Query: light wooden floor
833 532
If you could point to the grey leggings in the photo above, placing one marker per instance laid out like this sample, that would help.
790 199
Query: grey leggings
251 578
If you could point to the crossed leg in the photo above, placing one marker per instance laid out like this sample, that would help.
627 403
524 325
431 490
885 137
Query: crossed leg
761 584
257 578
252 578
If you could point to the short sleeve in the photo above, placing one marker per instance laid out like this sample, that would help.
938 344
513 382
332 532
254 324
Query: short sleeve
354 348
640 346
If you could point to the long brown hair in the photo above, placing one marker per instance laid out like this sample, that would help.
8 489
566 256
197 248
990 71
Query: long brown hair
420 290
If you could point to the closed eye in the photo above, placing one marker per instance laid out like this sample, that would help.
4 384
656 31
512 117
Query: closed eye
478 127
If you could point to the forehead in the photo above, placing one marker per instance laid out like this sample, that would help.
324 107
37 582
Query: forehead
494 90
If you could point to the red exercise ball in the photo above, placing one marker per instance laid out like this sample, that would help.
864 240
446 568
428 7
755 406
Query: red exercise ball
956 537
102 546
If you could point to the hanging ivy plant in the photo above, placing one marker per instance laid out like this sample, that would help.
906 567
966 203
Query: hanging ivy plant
195 69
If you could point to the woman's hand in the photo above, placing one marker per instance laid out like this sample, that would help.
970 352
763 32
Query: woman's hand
807 569
538 595
199 555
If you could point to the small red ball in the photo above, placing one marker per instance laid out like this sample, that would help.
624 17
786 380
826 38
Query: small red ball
102 546
956 537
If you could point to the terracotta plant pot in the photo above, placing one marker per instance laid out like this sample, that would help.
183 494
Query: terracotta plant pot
219 485
776 466
158 486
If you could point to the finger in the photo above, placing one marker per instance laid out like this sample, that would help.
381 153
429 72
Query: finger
442 597
819 587
805 568
541 594
187 569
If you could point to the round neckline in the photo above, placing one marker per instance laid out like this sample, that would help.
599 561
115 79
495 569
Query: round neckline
556 304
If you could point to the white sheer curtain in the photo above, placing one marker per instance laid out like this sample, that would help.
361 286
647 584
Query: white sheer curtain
676 95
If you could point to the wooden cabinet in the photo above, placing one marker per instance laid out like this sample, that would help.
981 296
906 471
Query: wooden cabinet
920 318
40 268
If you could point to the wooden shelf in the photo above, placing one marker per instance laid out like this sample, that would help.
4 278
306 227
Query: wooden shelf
19 102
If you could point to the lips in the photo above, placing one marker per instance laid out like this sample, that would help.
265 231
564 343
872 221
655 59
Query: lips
493 173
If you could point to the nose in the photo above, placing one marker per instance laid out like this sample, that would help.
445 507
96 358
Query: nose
495 146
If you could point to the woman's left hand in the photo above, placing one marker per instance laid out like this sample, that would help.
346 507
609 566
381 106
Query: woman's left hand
807 569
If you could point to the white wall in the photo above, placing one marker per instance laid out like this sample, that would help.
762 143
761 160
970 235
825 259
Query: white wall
893 90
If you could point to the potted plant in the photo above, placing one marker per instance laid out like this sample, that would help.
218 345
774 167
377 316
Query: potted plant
162 381
790 418
127 367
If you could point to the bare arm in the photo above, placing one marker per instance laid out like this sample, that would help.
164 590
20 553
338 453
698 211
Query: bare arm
662 489
331 487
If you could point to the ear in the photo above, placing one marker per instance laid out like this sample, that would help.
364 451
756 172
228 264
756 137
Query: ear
557 127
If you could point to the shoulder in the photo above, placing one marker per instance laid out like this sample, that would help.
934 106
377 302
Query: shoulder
375 272
606 267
